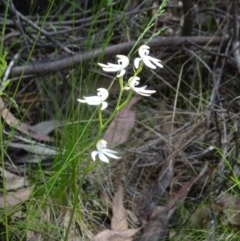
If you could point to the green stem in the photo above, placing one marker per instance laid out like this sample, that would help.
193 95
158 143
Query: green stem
119 99
121 83
121 92
130 94
100 118
139 70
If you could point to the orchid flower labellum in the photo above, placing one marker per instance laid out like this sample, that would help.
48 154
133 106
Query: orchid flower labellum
103 153
99 99
123 62
149 61
133 82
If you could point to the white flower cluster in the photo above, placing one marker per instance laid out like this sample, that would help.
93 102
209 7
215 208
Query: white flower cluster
100 99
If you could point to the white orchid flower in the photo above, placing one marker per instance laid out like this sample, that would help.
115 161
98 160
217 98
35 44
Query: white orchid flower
100 98
123 62
149 61
103 153
133 82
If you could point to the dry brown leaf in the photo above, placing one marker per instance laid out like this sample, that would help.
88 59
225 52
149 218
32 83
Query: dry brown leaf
11 120
157 227
118 131
110 235
119 219
14 198
46 127
119 225
13 181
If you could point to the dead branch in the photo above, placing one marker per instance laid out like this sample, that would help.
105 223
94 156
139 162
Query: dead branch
66 62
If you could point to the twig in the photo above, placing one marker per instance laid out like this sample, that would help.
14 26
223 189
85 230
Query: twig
66 62
236 43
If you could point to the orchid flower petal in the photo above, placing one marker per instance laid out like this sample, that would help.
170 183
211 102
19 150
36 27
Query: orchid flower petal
149 61
111 155
82 101
156 61
123 62
101 144
94 154
104 105
103 152
91 98
90 101
94 102
134 79
100 98
113 65
103 158
142 94
143 51
143 87
137 62
133 82
109 150
111 69
103 65
122 72
102 93
139 92
145 92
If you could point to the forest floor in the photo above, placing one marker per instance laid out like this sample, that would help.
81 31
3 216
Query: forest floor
179 175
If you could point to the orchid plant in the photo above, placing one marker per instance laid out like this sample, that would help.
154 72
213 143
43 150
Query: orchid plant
102 151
